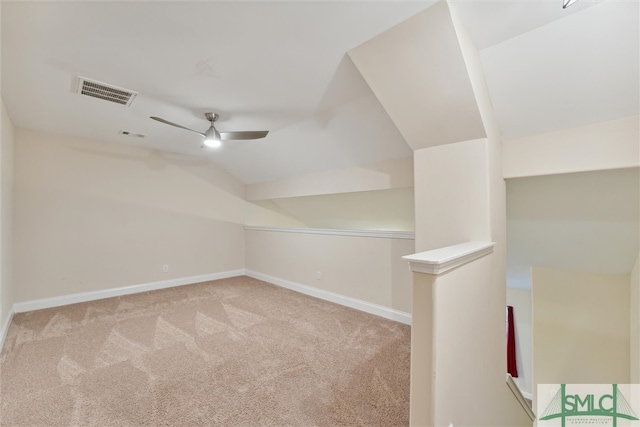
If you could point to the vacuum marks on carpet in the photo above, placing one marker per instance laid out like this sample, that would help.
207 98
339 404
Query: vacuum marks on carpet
233 352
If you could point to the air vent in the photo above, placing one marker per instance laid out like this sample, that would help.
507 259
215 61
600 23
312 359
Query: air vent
104 91
133 134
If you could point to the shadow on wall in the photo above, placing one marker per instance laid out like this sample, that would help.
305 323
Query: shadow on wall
390 210
148 178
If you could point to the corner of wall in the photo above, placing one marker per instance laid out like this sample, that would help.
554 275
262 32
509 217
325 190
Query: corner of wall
6 220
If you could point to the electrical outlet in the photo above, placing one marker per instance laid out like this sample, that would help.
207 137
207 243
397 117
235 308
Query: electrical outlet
318 275
165 268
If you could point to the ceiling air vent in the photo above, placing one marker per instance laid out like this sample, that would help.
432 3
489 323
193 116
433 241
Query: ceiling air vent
136 135
104 91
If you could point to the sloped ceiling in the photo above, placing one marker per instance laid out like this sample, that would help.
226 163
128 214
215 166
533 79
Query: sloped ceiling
279 66
587 70
586 221
418 72
282 66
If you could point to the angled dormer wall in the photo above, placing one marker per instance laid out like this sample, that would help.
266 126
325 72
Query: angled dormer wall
418 72
427 75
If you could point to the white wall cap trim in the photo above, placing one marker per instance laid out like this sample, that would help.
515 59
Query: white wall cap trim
439 260
367 307
20 307
408 235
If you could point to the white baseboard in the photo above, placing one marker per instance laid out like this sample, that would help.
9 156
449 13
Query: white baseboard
5 328
378 310
20 307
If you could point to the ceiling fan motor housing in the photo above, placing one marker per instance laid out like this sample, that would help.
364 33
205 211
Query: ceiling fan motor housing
212 117
212 133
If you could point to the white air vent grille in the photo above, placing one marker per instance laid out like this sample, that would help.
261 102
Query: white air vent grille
106 92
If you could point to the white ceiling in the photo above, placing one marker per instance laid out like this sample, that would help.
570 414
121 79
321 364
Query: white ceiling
281 66
575 71
275 66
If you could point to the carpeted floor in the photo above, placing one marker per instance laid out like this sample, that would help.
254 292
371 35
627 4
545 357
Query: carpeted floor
233 352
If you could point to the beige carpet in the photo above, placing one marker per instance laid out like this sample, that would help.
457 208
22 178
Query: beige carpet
234 352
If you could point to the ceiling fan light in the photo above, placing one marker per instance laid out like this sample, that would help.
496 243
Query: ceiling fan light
212 143
212 138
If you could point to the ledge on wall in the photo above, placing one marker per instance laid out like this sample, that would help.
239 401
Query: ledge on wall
409 235
440 260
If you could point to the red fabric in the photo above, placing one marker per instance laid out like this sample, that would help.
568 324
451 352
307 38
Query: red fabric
512 367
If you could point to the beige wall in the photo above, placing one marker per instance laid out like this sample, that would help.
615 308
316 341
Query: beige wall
634 324
520 300
580 327
471 351
6 216
601 146
453 178
92 216
469 338
365 268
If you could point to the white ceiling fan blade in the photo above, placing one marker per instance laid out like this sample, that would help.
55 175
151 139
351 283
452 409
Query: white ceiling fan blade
176 125
250 134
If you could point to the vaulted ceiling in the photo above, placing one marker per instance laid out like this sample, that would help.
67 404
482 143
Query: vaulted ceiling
282 66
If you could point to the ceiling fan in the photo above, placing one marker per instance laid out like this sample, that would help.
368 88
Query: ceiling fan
213 138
